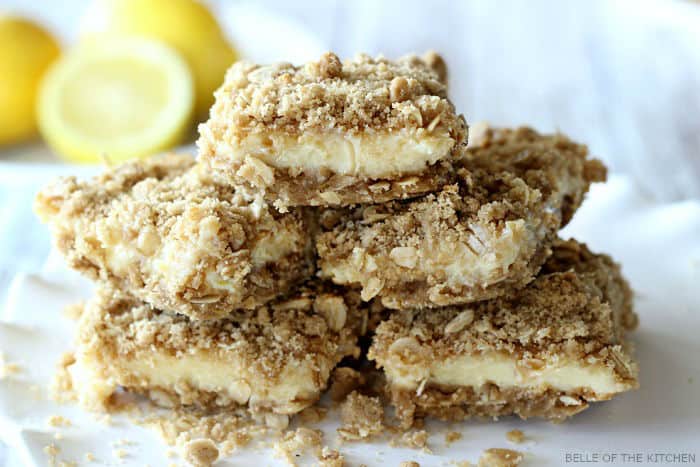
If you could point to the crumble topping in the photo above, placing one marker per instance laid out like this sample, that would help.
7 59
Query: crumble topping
356 95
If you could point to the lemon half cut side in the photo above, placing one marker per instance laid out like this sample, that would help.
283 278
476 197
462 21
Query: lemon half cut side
116 99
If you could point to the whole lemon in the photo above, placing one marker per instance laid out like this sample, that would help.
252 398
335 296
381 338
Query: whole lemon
26 51
186 25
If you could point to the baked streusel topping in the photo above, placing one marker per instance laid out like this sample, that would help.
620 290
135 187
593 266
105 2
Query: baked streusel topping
316 134
473 240
276 358
165 232
563 333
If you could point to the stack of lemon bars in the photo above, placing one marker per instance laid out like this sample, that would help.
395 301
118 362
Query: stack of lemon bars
342 211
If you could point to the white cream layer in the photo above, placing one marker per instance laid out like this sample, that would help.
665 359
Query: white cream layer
231 379
372 155
504 371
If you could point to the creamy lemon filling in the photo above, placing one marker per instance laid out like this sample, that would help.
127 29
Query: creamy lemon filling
371 154
483 260
175 263
292 390
505 372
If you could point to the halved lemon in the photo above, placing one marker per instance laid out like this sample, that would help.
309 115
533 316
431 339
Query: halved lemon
119 99
186 25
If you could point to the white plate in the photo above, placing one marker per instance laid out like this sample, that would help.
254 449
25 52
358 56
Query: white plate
659 247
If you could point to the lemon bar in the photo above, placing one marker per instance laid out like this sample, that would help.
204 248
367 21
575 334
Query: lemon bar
275 359
548 350
163 231
476 239
332 133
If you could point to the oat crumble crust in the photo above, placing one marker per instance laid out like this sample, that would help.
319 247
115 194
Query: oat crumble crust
363 95
315 327
516 189
579 307
158 228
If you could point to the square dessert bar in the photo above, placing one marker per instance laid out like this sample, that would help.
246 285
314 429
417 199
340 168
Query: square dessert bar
275 359
163 231
547 350
334 133
475 239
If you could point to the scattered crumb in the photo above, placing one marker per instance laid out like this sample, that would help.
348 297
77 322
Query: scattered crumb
51 452
89 457
61 387
361 416
58 436
201 452
8 369
452 436
312 415
58 420
515 436
498 457
229 430
67 464
170 454
119 453
409 464
294 443
412 439
331 458
463 464
344 381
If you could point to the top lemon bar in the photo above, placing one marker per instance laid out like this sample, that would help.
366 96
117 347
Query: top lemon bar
332 133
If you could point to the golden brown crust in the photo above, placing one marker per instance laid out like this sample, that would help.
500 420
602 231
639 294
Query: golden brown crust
166 233
488 401
515 190
363 96
578 308
315 328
